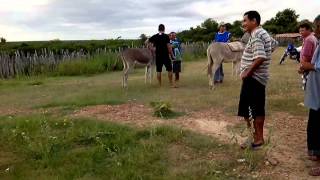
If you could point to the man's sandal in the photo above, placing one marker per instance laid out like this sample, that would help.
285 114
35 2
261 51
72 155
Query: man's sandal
256 146
252 146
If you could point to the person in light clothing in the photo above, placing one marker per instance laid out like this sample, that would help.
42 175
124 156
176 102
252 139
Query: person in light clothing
312 101
177 59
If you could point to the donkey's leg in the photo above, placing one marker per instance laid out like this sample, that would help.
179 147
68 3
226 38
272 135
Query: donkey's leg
126 74
210 77
149 74
216 66
146 74
238 65
125 67
233 68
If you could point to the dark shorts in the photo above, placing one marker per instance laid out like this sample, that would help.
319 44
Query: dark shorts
163 61
176 66
252 99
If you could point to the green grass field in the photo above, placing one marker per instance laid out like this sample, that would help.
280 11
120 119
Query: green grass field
38 144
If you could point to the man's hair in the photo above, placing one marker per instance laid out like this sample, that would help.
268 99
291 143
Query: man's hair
317 22
306 25
161 27
253 15
317 19
173 32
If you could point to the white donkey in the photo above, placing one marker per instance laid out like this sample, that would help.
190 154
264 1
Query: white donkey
142 56
219 53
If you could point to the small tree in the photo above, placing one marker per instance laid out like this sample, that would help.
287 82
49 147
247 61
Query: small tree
285 21
143 38
236 29
3 40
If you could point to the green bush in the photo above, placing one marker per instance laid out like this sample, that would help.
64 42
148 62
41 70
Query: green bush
163 110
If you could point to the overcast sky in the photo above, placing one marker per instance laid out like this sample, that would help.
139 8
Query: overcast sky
22 20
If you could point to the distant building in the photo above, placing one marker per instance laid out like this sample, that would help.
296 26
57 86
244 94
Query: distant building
285 39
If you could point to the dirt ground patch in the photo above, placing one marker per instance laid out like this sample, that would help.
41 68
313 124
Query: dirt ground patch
133 114
14 111
287 132
289 146
209 122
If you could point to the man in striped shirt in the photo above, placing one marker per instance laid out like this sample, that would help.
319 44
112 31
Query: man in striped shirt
255 64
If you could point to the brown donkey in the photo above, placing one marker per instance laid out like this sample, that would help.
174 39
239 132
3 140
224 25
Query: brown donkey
142 56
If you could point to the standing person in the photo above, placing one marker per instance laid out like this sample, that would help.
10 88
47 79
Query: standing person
308 47
176 48
164 53
223 36
255 64
312 101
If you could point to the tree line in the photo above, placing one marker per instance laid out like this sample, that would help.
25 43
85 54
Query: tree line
57 45
285 21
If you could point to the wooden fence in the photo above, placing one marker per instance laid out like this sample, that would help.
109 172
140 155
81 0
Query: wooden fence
20 63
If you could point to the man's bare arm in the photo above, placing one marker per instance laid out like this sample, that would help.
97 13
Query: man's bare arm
170 50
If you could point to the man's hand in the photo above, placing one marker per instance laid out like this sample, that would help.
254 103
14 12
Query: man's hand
245 74
172 58
300 70
248 72
306 66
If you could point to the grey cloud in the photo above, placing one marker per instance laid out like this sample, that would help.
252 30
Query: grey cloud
104 16
111 14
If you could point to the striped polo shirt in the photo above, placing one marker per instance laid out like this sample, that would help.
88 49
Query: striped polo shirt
259 46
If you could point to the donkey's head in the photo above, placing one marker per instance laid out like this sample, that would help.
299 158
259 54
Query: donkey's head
149 45
274 44
245 38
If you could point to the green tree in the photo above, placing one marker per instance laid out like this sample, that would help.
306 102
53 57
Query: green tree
3 40
143 38
210 25
236 29
204 32
285 21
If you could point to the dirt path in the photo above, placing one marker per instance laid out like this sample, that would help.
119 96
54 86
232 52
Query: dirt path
289 146
11 111
287 132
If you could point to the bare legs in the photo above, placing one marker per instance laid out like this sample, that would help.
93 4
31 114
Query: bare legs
170 75
258 125
159 78
258 128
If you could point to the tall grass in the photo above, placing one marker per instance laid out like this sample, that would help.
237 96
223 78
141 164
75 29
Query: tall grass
194 51
96 64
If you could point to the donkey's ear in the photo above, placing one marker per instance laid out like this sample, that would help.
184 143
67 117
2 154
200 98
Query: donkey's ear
147 42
